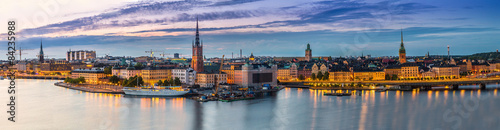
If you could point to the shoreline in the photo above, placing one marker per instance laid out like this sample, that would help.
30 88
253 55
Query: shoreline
87 88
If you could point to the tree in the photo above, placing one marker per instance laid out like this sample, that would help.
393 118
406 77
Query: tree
107 70
177 81
319 75
387 77
114 79
166 82
159 83
326 76
313 76
138 65
81 80
301 77
394 77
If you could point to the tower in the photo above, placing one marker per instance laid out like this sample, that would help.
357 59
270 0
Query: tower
197 59
449 52
308 53
40 55
402 51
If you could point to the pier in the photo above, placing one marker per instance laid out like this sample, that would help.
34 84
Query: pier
93 88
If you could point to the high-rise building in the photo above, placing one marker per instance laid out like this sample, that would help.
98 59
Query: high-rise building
80 55
197 58
176 55
40 55
308 53
402 51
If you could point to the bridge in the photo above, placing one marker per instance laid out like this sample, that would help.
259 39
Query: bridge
41 77
425 84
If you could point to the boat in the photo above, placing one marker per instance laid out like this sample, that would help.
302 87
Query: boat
337 94
152 91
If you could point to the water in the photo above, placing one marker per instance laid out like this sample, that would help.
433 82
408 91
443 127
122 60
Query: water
41 105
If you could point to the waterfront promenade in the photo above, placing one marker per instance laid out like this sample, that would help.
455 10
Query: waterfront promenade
92 88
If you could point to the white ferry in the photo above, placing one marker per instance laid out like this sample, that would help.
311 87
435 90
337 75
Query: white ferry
151 91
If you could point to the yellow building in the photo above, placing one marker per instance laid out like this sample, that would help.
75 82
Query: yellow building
368 75
91 76
448 71
284 74
208 79
409 70
152 75
340 76
229 70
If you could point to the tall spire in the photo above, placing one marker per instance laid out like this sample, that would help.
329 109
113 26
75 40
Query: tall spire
197 40
401 36
402 48
41 49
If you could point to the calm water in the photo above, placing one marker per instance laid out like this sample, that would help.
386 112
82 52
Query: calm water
41 105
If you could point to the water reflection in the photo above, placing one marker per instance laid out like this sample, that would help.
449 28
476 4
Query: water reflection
289 109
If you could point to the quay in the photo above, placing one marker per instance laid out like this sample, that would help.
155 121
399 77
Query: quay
93 88
403 84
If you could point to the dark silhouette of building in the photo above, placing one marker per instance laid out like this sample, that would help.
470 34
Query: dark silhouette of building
40 55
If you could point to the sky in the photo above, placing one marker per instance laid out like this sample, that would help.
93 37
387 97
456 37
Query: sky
262 27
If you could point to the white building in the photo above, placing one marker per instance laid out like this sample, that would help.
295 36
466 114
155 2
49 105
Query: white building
186 75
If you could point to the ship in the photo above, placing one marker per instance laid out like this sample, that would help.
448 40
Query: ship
153 91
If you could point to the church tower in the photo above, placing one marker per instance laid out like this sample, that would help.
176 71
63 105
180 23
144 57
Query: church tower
308 53
197 59
402 51
40 55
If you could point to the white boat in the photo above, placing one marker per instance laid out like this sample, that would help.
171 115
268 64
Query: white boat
147 91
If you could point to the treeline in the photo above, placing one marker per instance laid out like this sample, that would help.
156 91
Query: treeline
318 76
74 81
483 56
169 82
133 81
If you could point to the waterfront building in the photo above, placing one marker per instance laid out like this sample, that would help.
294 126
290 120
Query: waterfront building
314 69
402 51
91 76
392 70
448 71
324 68
57 67
480 67
304 70
125 73
365 74
80 55
197 58
186 75
205 79
284 73
294 71
230 70
21 66
152 75
256 75
308 56
340 75
428 74
409 70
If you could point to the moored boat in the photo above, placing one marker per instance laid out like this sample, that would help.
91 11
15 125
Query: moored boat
151 91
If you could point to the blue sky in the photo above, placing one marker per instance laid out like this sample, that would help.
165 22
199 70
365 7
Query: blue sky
264 27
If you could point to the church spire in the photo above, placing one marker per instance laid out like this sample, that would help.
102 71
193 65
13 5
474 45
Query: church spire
41 49
197 40
402 48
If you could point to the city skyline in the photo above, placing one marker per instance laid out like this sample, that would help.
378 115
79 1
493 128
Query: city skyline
264 27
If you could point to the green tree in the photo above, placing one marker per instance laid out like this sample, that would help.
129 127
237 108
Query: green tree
326 76
138 65
301 77
177 81
107 70
319 75
159 83
394 77
166 82
81 80
114 79
313 76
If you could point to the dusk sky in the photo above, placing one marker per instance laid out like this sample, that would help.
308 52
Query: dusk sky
264 27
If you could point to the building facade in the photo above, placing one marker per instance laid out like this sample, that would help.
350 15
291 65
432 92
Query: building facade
186 75
209 79
80 55
308 56
91 76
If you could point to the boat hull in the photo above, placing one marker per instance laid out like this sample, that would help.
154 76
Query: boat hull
155 93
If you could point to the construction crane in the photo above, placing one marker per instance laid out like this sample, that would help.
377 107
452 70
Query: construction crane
220 72
21 52
152 52
163 54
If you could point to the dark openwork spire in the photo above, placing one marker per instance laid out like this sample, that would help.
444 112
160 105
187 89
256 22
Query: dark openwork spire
402 48
197 40
41 49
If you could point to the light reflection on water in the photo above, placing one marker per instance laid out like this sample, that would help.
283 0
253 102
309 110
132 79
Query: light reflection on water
44 106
